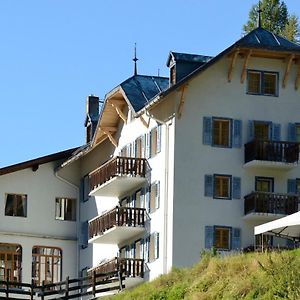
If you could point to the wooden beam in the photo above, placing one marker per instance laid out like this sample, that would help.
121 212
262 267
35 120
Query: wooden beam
297 81
182 100
245 66
110 137
287 70
109 128
146 124
118 110
232 65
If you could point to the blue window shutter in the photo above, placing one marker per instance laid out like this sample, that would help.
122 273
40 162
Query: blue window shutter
84 234
156 245
147 198
158 139
148 145
236 238
250 130
207 130
276 128
142 249
292 132
208 185
209 237
237 134
236 188
292 186
157 196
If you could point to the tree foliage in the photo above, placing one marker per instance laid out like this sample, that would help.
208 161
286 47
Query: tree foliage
275 18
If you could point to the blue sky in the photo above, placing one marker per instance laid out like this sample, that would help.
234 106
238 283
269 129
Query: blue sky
56 52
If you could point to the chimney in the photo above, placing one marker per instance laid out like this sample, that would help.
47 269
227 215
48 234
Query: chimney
92 116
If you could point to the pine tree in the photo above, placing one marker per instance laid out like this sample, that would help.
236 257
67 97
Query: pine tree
275 18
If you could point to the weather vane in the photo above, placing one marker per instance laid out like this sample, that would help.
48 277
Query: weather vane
135 59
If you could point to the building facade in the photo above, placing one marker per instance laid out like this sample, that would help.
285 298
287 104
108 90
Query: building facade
172 166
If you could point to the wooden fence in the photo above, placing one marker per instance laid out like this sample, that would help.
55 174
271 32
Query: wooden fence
86 287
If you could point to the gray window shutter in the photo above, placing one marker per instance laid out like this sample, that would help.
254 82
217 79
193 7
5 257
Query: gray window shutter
148 145
250 130
292 132
84 234
207 130
292 186
209 237
156 245
208 185
158 139
237 134
236 188
157 196
142 249
236 238
147 198
133 149
143 139
81 188
276 128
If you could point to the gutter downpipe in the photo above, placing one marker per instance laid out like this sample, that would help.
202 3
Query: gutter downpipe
166 193
78 216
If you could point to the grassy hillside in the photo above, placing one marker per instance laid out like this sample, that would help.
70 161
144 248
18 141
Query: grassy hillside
244 276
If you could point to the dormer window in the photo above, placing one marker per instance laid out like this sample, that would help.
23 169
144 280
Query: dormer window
173 75
262 83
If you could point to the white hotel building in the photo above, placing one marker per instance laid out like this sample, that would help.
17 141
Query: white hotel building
170 167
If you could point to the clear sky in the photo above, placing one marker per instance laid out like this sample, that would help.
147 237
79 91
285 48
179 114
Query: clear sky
56 52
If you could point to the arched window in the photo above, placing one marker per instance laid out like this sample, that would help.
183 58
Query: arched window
46 264
10 262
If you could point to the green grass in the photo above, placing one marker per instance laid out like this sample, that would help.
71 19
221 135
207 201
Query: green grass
266 276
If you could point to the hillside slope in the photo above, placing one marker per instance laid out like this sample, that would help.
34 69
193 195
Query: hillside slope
244 276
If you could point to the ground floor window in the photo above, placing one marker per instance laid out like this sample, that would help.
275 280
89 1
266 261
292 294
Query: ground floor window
222 238
10 262
46 264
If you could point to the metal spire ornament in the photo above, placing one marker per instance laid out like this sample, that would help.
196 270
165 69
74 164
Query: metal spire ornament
135 59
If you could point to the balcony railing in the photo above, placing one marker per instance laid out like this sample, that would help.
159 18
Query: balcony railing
286 152
129 267
118 166
271 203
119 216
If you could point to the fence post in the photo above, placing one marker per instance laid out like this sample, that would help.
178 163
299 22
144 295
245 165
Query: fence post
43 290
7 287
67 288
31 289
94 283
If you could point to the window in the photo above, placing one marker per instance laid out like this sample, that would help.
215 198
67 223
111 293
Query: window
264 184
222 237
65 209
222 186
221 132
46 264
265 241
262 130
10 262
16 205
262 83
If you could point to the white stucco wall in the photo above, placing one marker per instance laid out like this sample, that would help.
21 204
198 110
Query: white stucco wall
210 94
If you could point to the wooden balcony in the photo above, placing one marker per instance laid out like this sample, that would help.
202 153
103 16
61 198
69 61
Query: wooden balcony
271 154
131 268
117 225
269 206
117 176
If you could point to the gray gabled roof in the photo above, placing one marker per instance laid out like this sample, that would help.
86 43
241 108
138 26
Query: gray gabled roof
188 58
264 39
140 89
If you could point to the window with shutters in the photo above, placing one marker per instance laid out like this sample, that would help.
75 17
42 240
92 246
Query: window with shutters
262 83
222 238
221 132
16 205
65 209
222 186
154 141
262 130
154 196
264 184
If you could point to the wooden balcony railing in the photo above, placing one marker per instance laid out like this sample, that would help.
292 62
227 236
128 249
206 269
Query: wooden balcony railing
128 267
119 216
272 203
118 166
287 152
